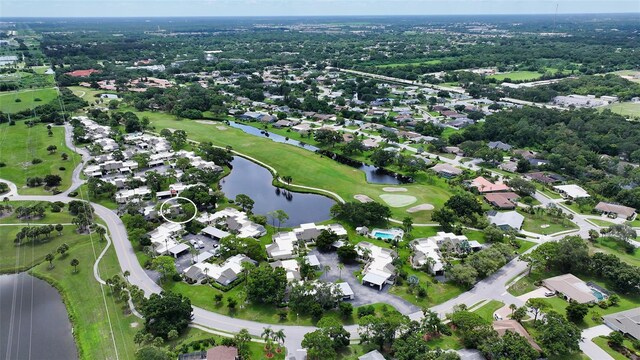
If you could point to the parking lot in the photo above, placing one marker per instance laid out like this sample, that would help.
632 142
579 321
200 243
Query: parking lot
184 260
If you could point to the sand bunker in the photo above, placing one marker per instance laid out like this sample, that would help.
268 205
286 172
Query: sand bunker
362 198
398 200
394 189
421 207
208 122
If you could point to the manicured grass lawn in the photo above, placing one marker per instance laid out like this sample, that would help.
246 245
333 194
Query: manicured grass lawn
28 254
524 245
526 283
550 194
203 296
545 224
487 310
28 98
89 94
602 223
609 246
318 171
603 343
108 203
436 292
518 76
19 145
586 210
625 109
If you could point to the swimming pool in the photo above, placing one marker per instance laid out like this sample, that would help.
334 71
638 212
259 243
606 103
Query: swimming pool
383 235
597 294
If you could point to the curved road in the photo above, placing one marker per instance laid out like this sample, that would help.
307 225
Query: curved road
492 287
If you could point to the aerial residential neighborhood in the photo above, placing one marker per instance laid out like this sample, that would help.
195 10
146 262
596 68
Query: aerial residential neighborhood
319 180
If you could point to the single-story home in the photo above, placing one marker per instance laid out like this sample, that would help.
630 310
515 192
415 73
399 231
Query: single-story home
446 170
485 186
347 292
627 322
615 210
499 145
427 253
571 288
502 326
506 220
571 191
214 233
373 355
222 353
503 200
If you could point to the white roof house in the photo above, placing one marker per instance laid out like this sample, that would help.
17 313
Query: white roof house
506 220
124 196
236 220
290 266
347 291
225 273
310 231
379 269
283 246
571 191
426 252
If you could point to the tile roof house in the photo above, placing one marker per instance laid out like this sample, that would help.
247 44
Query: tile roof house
571 288
502 326
503 201
485 186
627 322
446 170
222 353
616 210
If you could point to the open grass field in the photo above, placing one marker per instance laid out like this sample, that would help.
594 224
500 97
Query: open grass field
29 254
517 76
306 168
601 222
28 99
625 108
545 224
19 145
88 94
415 63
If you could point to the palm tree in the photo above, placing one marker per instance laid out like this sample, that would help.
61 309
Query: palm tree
49 257
75 264
267 335
340 267
126 274
279 336
513 308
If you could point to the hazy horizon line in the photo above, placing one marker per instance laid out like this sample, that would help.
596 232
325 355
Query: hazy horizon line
315 15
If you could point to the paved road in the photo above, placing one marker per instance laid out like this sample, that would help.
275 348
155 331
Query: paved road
589 347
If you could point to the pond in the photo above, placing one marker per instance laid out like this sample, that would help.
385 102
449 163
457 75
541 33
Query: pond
33 320
373 174
255 181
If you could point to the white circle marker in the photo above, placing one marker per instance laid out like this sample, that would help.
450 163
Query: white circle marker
179 222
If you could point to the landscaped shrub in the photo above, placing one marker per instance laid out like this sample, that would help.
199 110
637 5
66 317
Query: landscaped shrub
62 168
2 164
18 100
36 161
73 194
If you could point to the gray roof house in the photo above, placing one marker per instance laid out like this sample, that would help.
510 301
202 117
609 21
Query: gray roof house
506 220
373 355
627 322
499 145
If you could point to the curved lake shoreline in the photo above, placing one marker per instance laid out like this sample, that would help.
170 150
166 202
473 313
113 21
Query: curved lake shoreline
34 323
249 178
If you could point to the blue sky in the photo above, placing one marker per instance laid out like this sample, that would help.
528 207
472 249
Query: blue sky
54 8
